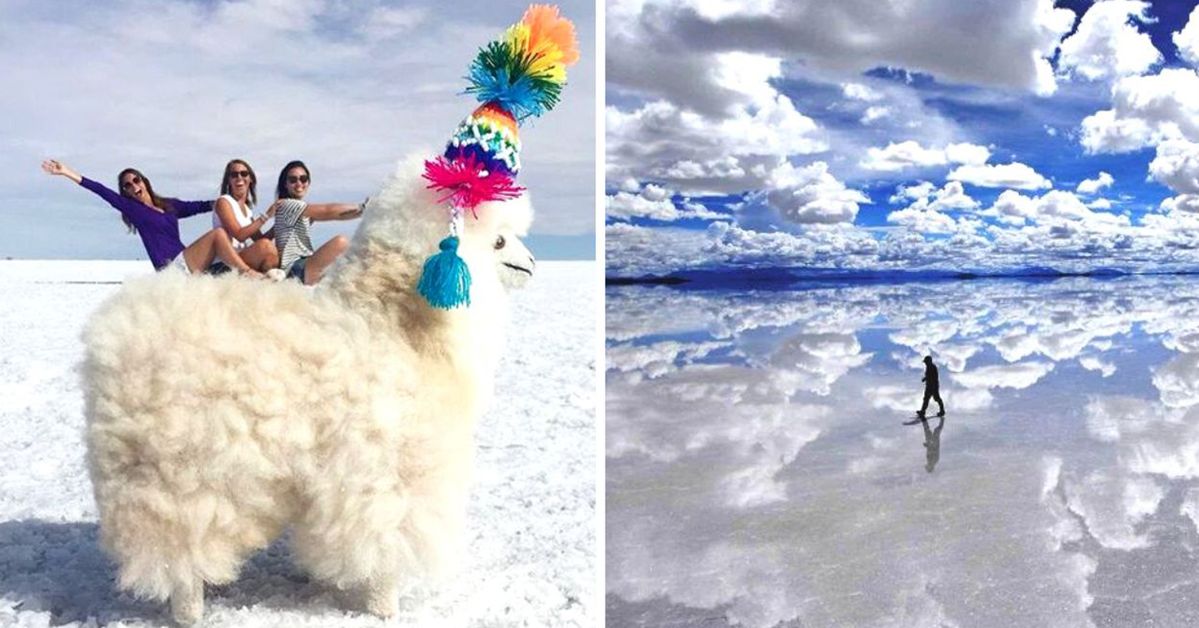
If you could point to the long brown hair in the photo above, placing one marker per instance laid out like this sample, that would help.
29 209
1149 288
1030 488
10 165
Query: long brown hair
156 200
281 188
226 189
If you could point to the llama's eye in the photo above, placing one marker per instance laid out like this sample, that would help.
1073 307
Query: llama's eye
499 242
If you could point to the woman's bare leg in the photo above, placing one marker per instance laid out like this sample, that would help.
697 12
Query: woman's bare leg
212 245
261 256
322 257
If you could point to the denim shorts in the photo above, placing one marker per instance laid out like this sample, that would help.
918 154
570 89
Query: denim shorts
297 269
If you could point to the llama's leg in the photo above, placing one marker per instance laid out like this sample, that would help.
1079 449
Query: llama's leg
351 540
382 596
187 601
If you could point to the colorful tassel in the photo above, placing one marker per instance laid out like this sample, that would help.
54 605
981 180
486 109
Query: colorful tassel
525 71
504 76
467 183
550 34
445 281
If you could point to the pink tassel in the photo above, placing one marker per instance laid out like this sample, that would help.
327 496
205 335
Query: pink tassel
467 183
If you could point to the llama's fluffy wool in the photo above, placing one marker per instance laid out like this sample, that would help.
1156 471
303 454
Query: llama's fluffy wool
221 410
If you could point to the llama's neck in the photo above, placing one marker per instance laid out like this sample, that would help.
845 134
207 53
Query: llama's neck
380 285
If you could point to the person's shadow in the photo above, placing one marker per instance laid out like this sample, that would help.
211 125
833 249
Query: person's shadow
932 441
59 568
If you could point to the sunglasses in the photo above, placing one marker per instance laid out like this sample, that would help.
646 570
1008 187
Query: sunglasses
300 179
130 182
239 174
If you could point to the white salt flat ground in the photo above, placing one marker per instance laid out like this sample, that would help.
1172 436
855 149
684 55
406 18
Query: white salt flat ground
532 513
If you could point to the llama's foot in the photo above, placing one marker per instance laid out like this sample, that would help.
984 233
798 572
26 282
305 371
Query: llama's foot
187 603
382 598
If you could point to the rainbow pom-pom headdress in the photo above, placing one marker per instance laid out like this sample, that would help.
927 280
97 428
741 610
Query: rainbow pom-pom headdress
517 77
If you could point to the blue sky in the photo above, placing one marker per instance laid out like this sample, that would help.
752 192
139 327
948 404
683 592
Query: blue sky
924 134
178 88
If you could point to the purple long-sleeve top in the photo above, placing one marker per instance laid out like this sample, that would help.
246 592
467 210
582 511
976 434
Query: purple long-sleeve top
159 230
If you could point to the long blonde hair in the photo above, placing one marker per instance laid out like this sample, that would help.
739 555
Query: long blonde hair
226 188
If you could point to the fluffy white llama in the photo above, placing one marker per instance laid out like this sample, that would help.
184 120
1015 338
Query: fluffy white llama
221 410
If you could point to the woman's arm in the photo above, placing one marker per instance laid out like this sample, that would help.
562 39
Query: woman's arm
334 211
269 213
224 210
126 206
53 166
183 209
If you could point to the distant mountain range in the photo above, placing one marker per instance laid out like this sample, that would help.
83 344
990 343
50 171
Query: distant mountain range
784 278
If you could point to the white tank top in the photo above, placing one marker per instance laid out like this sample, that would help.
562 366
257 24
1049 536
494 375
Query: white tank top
243 220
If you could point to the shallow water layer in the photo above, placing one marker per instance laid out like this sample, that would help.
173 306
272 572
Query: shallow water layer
765 468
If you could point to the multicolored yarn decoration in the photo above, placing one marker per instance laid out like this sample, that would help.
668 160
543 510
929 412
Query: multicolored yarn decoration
516 77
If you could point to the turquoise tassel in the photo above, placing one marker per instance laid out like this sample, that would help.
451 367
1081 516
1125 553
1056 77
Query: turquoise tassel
445 281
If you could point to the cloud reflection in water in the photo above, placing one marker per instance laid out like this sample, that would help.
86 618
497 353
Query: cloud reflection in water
759 471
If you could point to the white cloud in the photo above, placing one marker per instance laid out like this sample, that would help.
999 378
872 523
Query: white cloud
654 202
858 91
1146 110
874 114
1003 44
1176 165
910 154
1183 203
1113 505
818 245
1107 43
630 250
1187 39
951 196
1178 381
1013 175
1093 363
811 195
1091 186
925 214
388 22
912 192
698 154
1020 375
922 220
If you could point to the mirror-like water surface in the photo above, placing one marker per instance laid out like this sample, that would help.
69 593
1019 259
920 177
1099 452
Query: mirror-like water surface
760 471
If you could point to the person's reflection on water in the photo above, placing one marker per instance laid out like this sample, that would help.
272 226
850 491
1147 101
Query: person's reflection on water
932 441
932 387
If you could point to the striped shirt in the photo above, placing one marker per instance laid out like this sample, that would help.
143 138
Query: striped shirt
291 232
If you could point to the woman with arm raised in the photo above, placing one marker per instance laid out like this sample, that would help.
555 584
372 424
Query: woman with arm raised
156 220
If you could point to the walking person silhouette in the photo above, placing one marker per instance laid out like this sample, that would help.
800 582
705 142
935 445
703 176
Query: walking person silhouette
932 387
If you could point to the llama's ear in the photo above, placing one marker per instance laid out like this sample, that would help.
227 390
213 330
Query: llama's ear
518 214
515 216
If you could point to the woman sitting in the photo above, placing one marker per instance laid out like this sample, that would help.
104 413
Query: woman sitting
231 212
156 220
293 219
